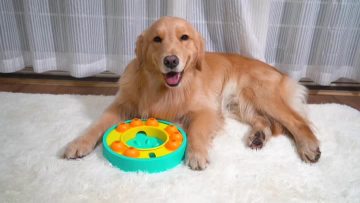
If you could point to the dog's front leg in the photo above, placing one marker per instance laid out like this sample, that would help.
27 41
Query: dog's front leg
201 128
84 144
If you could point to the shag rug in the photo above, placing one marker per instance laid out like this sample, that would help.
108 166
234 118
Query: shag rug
34 128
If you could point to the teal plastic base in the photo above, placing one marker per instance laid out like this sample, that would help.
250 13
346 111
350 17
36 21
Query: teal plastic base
151 165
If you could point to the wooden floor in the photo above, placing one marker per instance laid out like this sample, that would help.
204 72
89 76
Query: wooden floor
108 86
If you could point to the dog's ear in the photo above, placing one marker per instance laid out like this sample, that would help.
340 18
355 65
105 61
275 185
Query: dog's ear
200 45
139 49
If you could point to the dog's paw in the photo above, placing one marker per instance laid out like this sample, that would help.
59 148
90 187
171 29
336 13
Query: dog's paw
196 160
257 140
78 148
309 151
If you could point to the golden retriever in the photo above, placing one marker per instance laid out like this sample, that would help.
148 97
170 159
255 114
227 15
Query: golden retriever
173 78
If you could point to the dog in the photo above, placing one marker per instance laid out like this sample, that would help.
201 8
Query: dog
173 78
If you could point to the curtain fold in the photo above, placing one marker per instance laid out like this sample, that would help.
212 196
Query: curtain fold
317 39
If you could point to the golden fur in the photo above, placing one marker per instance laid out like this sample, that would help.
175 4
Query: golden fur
210 85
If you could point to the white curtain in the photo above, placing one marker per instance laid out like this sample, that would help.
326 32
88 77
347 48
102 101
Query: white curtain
318 39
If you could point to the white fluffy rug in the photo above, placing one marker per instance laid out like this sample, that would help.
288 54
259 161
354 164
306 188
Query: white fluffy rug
35 128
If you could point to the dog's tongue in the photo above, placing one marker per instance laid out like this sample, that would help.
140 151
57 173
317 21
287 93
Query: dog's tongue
172 78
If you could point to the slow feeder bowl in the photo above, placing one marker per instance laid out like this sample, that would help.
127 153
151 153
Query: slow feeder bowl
144 145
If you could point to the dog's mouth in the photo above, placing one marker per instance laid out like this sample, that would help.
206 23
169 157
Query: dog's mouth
173 79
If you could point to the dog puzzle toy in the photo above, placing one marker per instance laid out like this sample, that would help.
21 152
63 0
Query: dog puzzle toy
144 145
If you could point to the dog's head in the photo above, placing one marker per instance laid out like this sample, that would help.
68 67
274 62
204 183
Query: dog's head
170 49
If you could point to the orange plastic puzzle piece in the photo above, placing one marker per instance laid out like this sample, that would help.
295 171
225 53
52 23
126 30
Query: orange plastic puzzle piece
172 145
176 136
152 122
171 129
118 146
122 127
136 122
132 152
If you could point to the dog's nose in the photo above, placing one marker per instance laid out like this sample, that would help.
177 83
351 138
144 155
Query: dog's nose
171 61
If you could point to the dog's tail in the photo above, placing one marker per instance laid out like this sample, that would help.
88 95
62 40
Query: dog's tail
295 96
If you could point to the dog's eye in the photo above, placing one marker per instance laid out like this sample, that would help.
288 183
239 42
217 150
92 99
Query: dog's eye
184 37
157 39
